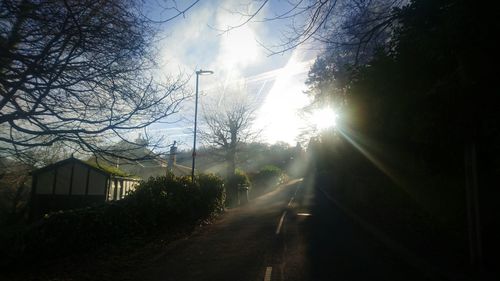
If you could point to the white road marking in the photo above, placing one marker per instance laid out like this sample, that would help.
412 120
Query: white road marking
267 276
280 224
304 214
278 229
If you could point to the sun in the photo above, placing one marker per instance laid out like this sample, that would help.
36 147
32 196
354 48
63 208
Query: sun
324 118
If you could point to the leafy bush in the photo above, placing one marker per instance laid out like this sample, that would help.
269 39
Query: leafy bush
212 191
269 175
240 178
161 202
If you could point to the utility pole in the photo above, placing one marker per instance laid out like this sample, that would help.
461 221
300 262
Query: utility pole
198 73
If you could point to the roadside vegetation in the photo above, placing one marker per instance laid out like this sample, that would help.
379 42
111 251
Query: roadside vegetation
415 116
259 166
266 179
158 204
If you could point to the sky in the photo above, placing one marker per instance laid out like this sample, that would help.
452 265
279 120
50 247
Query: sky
275 83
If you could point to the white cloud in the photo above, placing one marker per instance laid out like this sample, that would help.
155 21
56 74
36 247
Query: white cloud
279 114
188 43
238 62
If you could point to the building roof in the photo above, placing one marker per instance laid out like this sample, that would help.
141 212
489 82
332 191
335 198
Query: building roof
103 169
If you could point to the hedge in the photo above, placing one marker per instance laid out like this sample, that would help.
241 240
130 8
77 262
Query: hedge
163 202
269 176
238 179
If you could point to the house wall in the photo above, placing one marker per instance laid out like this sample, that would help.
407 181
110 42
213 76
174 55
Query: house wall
79 180
120 187
71 178
97 183
63 180
45 182
68 186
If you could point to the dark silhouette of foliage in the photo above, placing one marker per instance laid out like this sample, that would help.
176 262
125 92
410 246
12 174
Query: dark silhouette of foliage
421 100
268 176
357 25
227 127
233 183
77 72
162 203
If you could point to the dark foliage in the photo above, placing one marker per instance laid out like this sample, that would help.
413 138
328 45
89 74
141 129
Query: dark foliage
410 113
237 180
266 179
240 178
159 203
78 73
268 176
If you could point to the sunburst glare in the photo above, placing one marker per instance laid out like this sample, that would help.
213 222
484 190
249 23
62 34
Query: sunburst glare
324 118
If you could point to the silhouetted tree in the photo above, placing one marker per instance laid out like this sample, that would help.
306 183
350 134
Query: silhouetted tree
77 72
358 24
227 125
14 190
426 91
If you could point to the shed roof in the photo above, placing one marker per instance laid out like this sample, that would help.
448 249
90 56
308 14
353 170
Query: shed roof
98 168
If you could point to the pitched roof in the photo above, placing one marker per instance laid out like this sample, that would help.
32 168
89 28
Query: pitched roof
103 169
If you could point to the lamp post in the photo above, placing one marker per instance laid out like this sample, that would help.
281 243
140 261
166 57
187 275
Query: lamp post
198 73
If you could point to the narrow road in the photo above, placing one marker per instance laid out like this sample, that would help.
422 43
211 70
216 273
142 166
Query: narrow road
293 233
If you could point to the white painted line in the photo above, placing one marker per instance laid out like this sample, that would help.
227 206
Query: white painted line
267 276
280 224
304 214
278 229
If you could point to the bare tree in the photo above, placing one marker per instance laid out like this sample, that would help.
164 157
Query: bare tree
227 124
15 179
77 72
14 191
356 23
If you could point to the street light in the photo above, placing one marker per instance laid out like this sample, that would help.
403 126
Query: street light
198 73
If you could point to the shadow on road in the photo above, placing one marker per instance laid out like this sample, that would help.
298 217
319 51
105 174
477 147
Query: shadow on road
339 248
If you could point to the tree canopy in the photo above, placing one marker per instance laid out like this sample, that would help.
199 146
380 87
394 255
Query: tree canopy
77 72
228 123
432 61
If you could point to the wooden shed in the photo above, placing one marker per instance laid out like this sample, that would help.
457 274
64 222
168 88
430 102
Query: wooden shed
73 183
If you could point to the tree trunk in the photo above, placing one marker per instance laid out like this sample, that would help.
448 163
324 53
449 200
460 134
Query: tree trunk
232 189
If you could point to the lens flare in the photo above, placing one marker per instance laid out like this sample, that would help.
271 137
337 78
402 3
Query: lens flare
324 118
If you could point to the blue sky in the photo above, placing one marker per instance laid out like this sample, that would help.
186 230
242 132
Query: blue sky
275 83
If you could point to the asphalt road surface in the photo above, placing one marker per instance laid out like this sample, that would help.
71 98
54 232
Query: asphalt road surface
294 233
